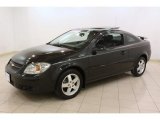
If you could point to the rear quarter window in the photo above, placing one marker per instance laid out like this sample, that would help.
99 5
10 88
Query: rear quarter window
131 39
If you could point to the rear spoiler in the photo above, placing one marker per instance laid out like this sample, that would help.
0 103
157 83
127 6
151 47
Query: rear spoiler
143 38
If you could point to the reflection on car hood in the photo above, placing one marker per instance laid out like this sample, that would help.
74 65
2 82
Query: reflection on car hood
43 53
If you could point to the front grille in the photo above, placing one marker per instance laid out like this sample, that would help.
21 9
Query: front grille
15 65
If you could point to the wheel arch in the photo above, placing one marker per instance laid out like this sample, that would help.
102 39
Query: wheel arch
145 56
134 70
137 58
76 67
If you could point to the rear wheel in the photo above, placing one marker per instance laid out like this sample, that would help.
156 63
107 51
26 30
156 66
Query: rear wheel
69 84
140 67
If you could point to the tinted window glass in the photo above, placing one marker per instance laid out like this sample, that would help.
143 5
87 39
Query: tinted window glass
130 39
111 40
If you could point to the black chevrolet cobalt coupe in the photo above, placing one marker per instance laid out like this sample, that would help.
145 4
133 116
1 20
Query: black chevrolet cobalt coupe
76 58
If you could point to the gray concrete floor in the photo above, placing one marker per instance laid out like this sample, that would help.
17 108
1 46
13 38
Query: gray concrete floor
119 94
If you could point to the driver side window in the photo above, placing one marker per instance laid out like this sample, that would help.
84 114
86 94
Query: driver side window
110 40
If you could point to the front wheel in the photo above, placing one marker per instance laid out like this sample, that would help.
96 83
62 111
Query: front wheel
69 84
140 67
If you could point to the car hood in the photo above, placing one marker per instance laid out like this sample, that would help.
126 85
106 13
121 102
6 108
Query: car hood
43 53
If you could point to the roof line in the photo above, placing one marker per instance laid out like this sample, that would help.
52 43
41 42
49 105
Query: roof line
100 28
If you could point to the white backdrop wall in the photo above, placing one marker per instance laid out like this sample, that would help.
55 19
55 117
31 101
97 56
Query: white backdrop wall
35 26
6 30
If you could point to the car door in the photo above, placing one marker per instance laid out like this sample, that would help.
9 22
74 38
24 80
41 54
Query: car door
109 56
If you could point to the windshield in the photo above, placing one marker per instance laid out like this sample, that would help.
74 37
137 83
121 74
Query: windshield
74 38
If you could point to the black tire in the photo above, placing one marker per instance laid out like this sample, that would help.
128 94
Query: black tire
59 92
134 71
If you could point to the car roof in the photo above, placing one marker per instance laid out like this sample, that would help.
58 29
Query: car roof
98 28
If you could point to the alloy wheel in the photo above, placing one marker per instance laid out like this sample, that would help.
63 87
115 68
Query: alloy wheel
70 84
141 66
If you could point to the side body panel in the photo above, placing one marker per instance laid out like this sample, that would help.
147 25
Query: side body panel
107 62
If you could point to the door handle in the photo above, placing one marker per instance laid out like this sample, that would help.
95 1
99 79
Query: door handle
123 52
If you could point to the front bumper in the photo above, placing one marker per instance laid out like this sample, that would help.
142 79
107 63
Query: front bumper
33 83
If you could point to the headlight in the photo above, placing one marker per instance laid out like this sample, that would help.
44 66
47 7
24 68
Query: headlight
36 68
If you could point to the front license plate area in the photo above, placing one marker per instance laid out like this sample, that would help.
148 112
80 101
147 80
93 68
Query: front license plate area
8 77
